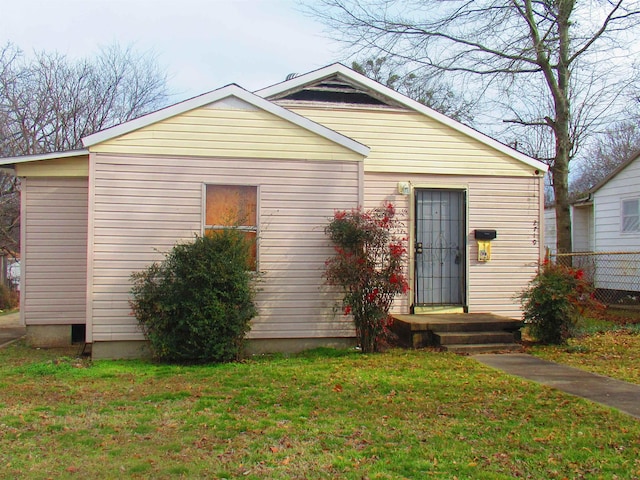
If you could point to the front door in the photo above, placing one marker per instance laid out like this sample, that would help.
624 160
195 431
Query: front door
440 247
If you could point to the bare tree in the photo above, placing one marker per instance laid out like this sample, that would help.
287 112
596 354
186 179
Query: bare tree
619 143
9 215
49 102
553 69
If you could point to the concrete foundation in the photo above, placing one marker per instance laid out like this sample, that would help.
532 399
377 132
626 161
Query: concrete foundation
120 350
49 336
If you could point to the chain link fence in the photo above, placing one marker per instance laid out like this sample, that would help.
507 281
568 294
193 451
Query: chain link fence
614 275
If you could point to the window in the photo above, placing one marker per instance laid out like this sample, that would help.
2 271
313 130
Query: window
233 206
631 215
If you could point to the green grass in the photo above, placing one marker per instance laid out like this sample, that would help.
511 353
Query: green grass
606 343
323 414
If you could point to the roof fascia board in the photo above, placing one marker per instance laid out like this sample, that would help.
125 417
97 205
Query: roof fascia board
232 90
338 68
43 156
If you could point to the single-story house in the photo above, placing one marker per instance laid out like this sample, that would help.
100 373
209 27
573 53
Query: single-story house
605 226
294 153
607 218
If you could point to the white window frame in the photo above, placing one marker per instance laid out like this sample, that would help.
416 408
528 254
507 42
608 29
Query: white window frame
623 216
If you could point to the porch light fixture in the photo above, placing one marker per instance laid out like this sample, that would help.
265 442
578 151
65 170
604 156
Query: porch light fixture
404 188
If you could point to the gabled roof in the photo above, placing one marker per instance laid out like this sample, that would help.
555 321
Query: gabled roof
621 167
43 156
339 72
215 96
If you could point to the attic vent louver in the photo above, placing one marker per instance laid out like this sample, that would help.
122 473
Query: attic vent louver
333 89
290 76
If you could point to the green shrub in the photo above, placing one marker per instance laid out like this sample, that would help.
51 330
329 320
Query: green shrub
554 301
195 306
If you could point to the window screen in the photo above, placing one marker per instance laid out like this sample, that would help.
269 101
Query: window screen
631 215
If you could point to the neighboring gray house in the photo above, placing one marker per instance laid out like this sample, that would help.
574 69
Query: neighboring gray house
611 212
607 220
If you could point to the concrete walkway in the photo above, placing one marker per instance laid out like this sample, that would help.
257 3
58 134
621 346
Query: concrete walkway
604 390
10 329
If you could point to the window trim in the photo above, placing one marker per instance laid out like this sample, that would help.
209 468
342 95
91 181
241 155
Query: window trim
243 228
622 215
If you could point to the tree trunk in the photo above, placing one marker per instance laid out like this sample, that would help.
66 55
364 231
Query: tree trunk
561 127
563 209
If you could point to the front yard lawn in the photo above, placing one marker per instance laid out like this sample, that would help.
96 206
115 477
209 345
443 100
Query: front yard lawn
324 414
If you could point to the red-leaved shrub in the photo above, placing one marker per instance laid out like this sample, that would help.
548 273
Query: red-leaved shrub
368 265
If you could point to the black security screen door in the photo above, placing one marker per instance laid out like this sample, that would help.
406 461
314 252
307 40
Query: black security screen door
440 247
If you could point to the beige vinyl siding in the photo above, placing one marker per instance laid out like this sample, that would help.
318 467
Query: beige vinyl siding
217 132
54 262
61 167
511 206
145 204
408 142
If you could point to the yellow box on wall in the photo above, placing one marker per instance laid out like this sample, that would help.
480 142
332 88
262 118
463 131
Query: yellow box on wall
484 250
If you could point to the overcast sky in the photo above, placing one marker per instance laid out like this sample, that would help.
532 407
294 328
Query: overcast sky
202 44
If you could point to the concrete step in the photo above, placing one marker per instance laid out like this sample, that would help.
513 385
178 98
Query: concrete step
419 331
475 325
483 348
470 338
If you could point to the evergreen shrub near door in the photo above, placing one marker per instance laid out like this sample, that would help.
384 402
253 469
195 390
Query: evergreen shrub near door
196 305
554 301
367 265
